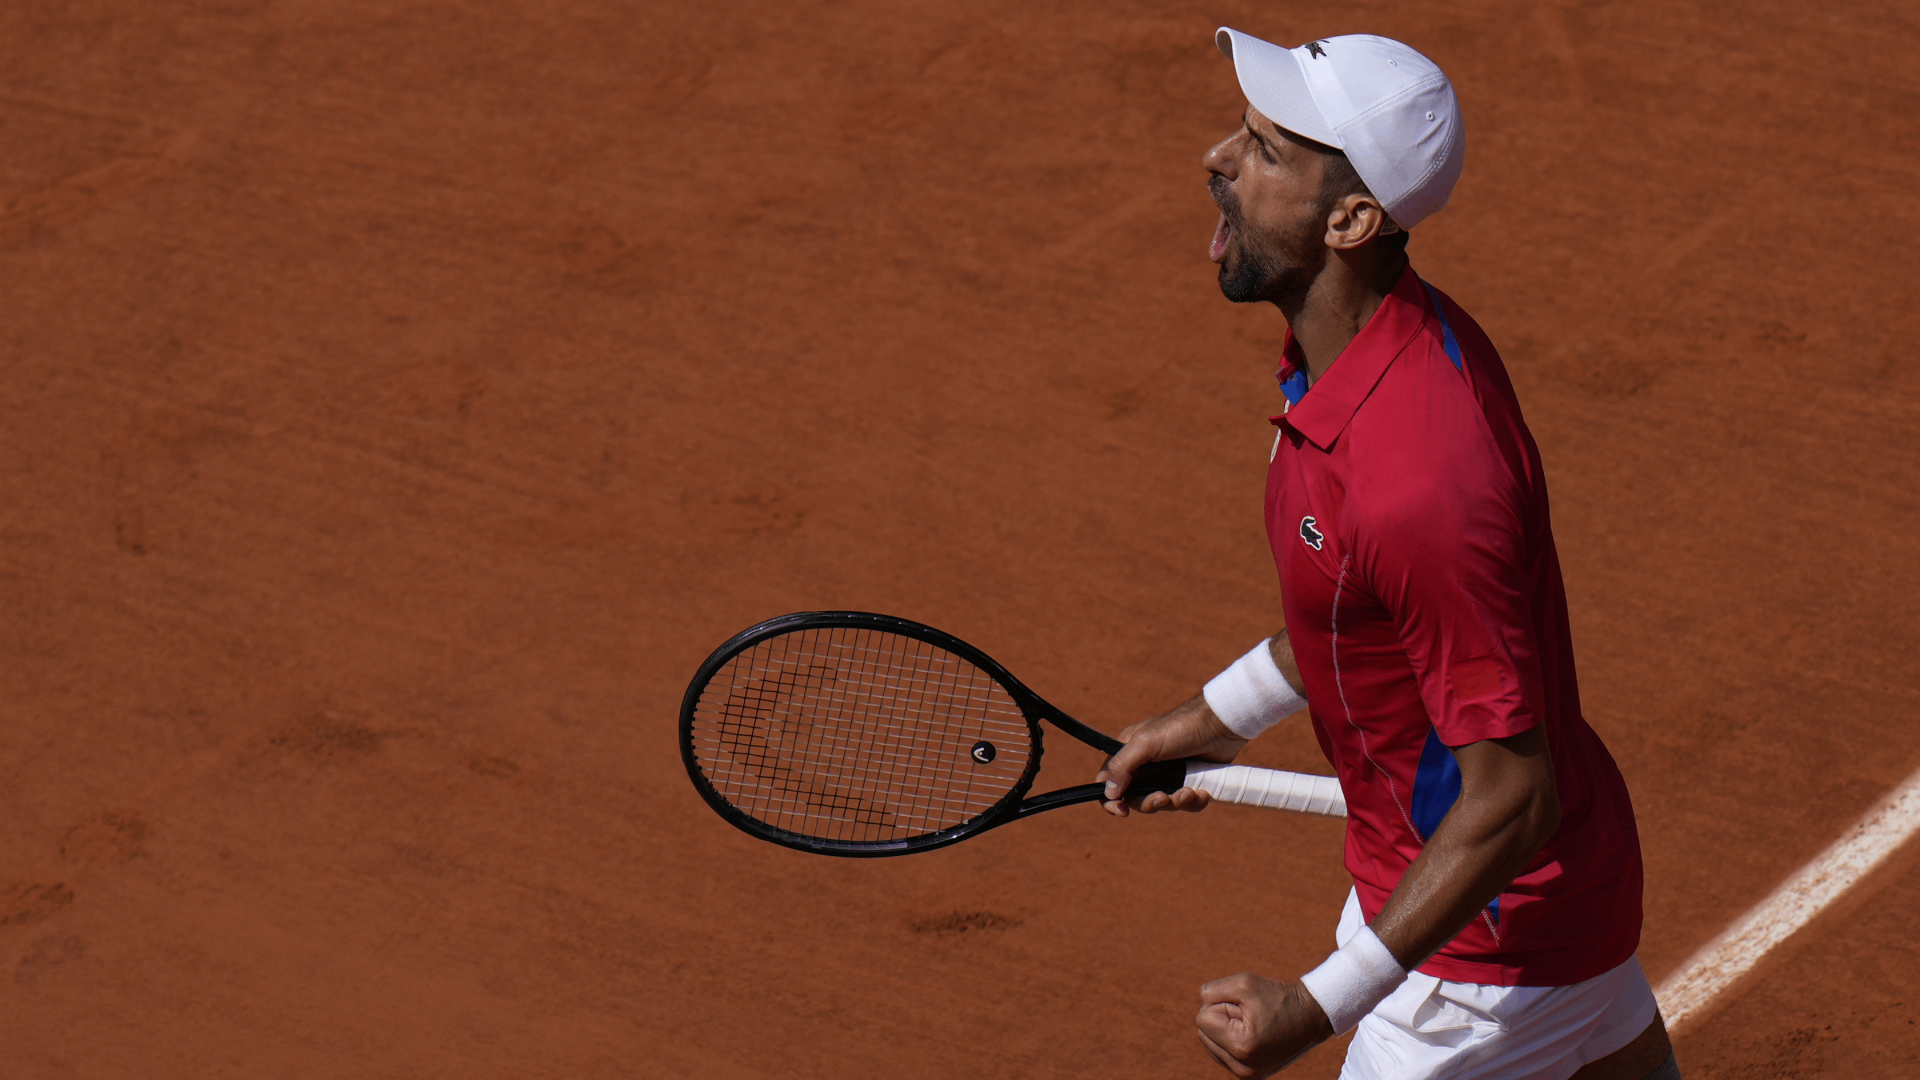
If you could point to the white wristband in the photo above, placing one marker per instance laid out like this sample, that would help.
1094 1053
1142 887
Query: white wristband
1251 695
1354 979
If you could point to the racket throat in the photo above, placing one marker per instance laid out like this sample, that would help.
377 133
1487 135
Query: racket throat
1164 776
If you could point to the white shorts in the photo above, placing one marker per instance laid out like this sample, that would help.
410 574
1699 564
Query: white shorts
1432 1028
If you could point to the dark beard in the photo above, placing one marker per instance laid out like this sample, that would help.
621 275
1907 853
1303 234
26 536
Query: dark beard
1251 273
1261 271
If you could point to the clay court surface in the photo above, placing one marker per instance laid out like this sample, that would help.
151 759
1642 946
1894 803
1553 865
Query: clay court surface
402 399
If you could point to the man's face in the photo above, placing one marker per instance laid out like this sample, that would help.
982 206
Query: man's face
1270 239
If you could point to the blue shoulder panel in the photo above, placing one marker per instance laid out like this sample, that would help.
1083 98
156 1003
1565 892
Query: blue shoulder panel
1446 329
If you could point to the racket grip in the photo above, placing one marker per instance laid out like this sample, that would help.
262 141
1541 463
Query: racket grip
1244 785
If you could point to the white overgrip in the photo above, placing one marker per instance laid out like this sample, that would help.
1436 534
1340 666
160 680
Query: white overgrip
1276 789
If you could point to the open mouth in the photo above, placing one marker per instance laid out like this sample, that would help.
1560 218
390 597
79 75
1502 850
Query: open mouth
1222 232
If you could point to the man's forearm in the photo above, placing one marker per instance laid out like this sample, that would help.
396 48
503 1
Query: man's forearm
1494 829
1508 807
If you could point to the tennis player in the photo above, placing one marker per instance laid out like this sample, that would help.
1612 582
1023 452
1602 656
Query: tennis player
1495 910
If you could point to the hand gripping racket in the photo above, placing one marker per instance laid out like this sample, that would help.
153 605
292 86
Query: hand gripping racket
845 733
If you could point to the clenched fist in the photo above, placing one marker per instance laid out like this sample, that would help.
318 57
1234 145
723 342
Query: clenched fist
1255 1027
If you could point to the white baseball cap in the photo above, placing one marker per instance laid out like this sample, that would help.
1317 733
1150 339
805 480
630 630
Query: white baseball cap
1389 108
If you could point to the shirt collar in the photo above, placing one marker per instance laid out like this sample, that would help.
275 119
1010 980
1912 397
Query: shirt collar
1323 414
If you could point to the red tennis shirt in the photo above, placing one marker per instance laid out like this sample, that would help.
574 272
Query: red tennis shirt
1407 510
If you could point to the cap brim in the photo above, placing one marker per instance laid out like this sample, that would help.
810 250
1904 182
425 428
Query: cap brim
1274 84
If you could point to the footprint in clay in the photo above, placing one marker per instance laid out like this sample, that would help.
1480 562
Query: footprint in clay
47 953
24 902
107 839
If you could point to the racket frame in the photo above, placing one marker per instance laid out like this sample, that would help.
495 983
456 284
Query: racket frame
1162 776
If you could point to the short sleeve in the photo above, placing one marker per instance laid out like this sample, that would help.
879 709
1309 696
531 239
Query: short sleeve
1443 548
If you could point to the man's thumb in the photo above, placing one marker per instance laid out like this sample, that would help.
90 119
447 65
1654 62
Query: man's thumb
1120 769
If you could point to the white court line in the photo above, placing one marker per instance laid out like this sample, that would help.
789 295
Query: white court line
1721 962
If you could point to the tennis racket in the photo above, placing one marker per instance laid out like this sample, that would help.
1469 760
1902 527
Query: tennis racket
846 733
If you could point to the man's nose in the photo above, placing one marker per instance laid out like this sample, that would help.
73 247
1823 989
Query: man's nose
1220 160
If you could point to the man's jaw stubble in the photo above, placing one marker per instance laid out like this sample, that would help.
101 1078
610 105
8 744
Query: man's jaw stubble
1245 271
1249 269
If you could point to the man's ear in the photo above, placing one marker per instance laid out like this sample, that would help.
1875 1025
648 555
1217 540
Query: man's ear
1356 219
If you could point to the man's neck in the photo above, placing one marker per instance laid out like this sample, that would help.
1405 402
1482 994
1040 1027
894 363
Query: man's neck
1333 309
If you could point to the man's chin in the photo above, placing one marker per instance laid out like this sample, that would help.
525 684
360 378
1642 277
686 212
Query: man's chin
1241 281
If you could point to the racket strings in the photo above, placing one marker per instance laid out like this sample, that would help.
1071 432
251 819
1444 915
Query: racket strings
857 735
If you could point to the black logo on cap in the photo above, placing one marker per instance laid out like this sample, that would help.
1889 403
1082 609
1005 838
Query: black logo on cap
1310 534
1314 50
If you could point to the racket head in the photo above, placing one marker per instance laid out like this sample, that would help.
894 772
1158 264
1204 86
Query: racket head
854 734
